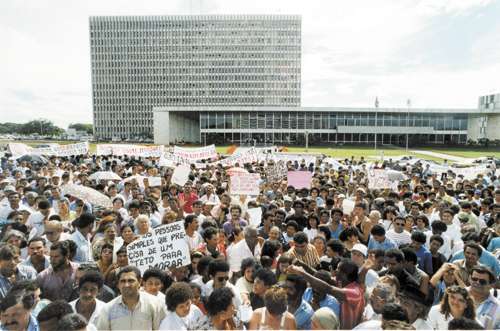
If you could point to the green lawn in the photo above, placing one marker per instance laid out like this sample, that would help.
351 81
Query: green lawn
468 152
342 152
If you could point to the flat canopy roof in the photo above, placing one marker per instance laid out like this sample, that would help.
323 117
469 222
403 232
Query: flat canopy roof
320 109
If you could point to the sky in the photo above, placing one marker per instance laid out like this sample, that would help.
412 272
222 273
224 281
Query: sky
437 53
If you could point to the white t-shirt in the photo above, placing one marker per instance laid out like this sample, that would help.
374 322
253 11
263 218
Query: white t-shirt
192 321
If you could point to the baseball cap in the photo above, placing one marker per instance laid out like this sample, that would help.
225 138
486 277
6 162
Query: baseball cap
360 248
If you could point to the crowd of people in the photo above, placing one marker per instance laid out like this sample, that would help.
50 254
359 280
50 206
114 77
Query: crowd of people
340 254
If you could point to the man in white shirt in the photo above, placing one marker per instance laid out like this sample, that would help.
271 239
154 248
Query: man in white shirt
133 309
397 233
249 247
14 205
83 225
219 274
36 222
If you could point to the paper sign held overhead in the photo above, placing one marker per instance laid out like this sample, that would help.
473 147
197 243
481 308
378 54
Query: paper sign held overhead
181 174
247 184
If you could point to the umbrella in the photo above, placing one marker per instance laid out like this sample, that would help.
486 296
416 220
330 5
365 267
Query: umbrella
104 175
33 158
87 194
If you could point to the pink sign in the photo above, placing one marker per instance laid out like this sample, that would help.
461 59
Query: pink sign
299 179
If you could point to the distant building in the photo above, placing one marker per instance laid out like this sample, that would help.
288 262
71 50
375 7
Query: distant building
141 62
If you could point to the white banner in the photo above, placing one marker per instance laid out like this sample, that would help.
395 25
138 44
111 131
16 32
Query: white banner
247 184
19 149
164 247
198 153
130 150
249 156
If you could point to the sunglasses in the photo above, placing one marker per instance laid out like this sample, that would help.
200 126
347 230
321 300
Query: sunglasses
481 282
222 279
399 224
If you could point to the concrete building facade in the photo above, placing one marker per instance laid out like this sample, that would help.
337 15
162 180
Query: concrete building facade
142 62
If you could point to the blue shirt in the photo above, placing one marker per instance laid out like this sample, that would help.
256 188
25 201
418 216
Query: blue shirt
329 301
486 258
424 260
387 244
23 273
32 325
335 234
303 316
494 244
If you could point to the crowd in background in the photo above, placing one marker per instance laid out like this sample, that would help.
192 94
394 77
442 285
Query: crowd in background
423 255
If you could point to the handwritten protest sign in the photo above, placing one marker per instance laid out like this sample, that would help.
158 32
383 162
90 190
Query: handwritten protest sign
164 247
181 174
199 153
277 171
299 179
379 179
245 184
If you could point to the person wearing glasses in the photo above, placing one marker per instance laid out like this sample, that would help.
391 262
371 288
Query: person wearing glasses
456 303
398 234
487 306
218 270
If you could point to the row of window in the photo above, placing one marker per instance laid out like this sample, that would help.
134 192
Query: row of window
122 90
275 100
331 121
323 138
131 53
121 60
193 36
187 23
264 78
196 43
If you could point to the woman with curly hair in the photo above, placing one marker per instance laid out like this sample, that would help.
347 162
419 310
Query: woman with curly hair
456 303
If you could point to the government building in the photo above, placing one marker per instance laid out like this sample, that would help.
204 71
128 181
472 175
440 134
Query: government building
236 79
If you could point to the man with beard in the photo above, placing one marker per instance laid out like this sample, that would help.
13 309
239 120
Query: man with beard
15 311
349 293
133 309
56 282
87 305
10 270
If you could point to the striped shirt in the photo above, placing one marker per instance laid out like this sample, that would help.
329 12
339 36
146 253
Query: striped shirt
311 257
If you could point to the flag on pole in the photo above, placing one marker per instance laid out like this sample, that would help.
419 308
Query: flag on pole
376 102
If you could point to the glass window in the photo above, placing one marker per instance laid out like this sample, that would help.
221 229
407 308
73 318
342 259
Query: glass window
229 120
332 119
293 120
211 120
203 121
269 120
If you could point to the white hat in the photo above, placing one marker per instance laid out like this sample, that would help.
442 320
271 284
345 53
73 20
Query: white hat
287 198
360 248
9 188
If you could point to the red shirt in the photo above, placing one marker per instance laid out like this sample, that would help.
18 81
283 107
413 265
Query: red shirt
351 309
190 199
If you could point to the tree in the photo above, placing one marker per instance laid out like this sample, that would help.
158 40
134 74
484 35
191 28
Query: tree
82 127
